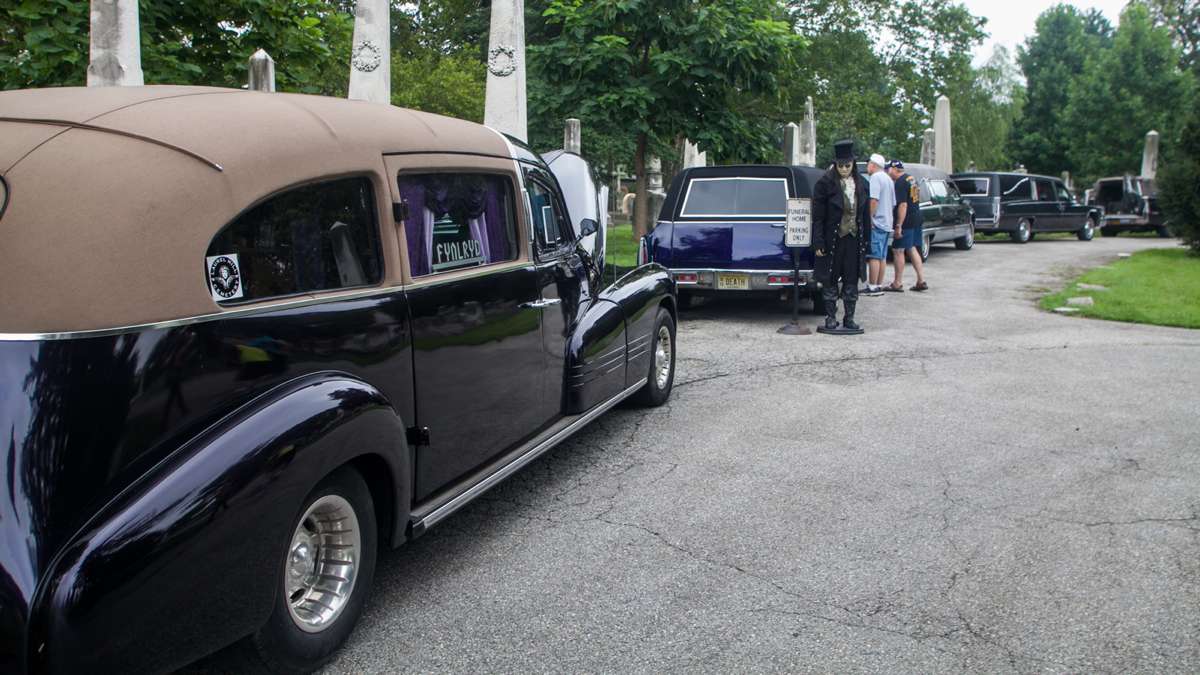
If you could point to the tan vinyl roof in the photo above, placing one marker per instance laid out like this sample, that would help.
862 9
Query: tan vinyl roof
105 230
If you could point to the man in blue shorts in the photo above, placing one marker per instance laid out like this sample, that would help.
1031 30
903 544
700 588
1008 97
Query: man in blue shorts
883 204
909 232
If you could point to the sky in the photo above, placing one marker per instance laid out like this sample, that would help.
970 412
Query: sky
1010 22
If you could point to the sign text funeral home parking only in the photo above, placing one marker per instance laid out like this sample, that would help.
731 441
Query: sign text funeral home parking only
797 233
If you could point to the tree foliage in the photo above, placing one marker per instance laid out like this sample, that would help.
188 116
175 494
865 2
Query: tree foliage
1179 181
1124 91
1182 18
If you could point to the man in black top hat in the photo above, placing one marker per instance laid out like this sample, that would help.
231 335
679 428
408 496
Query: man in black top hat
841 227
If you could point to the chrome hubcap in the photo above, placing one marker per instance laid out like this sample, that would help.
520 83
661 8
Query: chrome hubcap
662 358
322 563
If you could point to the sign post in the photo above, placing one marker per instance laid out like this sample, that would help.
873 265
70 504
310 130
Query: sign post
797 234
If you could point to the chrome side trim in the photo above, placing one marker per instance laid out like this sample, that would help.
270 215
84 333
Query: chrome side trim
116 132
537 449
203 318
689 270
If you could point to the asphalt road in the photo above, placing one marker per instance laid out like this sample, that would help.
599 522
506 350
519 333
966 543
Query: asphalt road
973 485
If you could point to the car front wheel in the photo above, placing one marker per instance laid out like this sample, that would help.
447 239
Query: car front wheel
926 244
324 576
1087 231
1024 232
967 241
662 362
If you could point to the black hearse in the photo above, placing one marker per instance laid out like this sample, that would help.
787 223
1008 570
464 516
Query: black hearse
1130 204
1024 204
248 340
948 217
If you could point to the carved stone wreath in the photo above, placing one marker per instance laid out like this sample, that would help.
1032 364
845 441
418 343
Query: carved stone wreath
502 61
367 57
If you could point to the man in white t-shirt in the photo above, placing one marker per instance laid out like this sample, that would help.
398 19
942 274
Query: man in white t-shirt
883 204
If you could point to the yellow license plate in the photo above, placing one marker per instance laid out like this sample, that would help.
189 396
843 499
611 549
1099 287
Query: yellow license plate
733 282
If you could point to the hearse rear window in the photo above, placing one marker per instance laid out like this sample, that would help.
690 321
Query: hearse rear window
1015 188
457 220
972 187
711 197
317 237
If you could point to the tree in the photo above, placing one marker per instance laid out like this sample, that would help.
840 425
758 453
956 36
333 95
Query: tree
984 109
1051 59
1178 182
1182 18
659 69
45 42
1125 91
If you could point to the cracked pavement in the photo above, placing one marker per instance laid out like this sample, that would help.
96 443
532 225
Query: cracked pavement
973 485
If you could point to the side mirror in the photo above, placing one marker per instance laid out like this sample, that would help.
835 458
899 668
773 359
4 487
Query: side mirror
588 227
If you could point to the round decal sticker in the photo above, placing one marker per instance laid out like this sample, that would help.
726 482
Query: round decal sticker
224 277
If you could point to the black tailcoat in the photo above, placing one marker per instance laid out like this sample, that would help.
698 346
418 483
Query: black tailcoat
828 204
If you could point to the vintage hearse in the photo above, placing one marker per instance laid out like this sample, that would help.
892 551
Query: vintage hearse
1130 204
1024 205
248 340
947 217
721 231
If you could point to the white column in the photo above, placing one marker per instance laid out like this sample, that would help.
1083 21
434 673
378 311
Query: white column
573 136
506 106
692 156
371 52
927 143
943 148
116 45
1150 156
808 135
262 72
792 144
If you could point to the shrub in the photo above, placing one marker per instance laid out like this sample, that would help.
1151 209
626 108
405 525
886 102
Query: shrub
1179 182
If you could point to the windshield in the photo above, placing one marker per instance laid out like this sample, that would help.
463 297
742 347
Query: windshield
707 197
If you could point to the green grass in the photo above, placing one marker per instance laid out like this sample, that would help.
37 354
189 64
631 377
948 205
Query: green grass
622 247
1157 286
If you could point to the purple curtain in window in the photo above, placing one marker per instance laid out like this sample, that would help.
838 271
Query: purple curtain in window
477 200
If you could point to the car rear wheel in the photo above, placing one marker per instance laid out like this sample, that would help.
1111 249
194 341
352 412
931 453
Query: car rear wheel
324 576
967 241
661 377
1024 232
1088 231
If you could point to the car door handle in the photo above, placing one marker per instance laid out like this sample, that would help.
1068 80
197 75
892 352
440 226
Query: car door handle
540 304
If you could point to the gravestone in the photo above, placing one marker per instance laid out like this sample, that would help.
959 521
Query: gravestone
115 58
1150 156
943 147
262 72
371 52
573 136
506 106
1066 179
808 135
692 156
927 147
654 186
791 144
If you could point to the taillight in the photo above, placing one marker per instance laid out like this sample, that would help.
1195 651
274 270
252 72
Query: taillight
779 279
687 278
643 252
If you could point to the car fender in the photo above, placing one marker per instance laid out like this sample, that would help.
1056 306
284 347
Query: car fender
193 548
640 293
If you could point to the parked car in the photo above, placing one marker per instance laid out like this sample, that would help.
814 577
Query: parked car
1024 204
721 231
945 214
1130 204
248 340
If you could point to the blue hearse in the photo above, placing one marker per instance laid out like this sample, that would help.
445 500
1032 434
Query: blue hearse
720 231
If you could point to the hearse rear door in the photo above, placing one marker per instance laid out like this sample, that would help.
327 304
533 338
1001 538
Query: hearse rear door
474 307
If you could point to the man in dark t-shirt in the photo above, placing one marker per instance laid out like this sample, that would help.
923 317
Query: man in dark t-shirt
908 234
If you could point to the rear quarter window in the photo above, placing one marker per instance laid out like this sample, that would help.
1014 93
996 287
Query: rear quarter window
316 237
716 197
1015 188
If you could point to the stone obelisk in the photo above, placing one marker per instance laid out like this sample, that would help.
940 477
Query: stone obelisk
262 72
943 147
506 107
371 52
1150 156
692 157
116 45
927 147
791 144
808 135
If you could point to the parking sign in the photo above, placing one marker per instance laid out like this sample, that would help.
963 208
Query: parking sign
798 231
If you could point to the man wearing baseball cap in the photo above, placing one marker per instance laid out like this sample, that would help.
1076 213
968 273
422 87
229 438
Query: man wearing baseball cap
908 234
883 203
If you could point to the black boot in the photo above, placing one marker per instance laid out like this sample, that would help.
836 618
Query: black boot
848 320
830 296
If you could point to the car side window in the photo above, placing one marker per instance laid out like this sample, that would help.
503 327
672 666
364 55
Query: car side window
316 237
547 215
454 221
1045 191
1064 195
952 194
937 191
1015 189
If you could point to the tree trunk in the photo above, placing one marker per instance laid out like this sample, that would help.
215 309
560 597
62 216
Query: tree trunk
641 205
